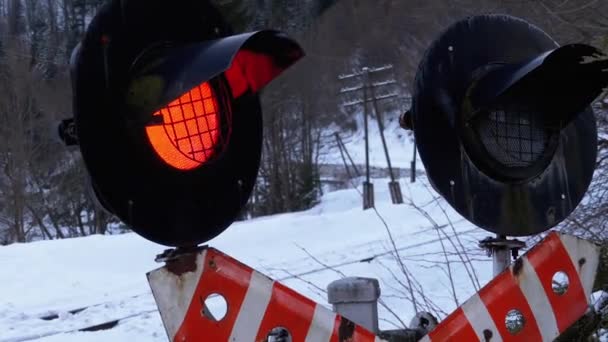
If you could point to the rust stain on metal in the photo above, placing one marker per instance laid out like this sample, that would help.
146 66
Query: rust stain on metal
518 265
183 264
212 264
346 330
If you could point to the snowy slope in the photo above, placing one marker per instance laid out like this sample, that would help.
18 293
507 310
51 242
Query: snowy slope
107 273
398 141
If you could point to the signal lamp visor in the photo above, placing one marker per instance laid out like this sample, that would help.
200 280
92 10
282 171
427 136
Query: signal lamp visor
191 131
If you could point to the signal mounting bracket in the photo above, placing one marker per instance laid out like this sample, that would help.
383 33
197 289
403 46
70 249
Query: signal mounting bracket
498 248
173 254
491 244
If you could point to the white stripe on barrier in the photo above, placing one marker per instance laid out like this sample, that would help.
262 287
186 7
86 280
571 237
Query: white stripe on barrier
426 338
585 258
252 310
479 318
536 296
322 325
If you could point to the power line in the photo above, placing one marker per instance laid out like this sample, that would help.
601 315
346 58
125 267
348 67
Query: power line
366 259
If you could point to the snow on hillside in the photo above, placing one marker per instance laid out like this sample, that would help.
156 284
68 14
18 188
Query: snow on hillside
399 142
107 273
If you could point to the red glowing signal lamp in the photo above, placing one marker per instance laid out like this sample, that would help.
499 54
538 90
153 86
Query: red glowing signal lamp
190 134
181 105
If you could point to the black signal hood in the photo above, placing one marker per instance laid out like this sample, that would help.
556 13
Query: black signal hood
560 83
249 60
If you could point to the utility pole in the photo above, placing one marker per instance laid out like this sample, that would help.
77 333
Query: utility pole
369 96
368 187
393 185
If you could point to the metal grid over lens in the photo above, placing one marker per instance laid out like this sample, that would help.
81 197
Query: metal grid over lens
193 123
514 137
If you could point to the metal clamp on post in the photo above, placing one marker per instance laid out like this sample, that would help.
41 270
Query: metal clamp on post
501 250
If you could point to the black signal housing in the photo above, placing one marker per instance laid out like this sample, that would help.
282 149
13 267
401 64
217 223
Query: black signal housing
150 64
502 119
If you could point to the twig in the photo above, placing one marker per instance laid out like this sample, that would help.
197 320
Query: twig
387 308
310 283
466 263
320 262
399 261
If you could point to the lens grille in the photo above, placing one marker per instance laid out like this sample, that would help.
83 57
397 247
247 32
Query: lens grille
514 137
191 133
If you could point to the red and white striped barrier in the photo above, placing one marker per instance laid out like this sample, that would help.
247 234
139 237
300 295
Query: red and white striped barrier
527 286
256 304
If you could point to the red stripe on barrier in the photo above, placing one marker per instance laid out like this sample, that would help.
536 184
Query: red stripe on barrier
501 296
454 328
287 309
335 334
223 276
547 261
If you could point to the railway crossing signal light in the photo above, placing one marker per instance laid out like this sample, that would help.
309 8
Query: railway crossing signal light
502 119
167 114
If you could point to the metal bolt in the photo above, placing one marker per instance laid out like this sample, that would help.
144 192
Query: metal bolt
487 334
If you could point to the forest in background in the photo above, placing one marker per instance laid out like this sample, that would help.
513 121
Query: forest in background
43 192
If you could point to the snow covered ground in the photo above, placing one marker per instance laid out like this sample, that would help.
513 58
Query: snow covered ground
399 143
106 274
